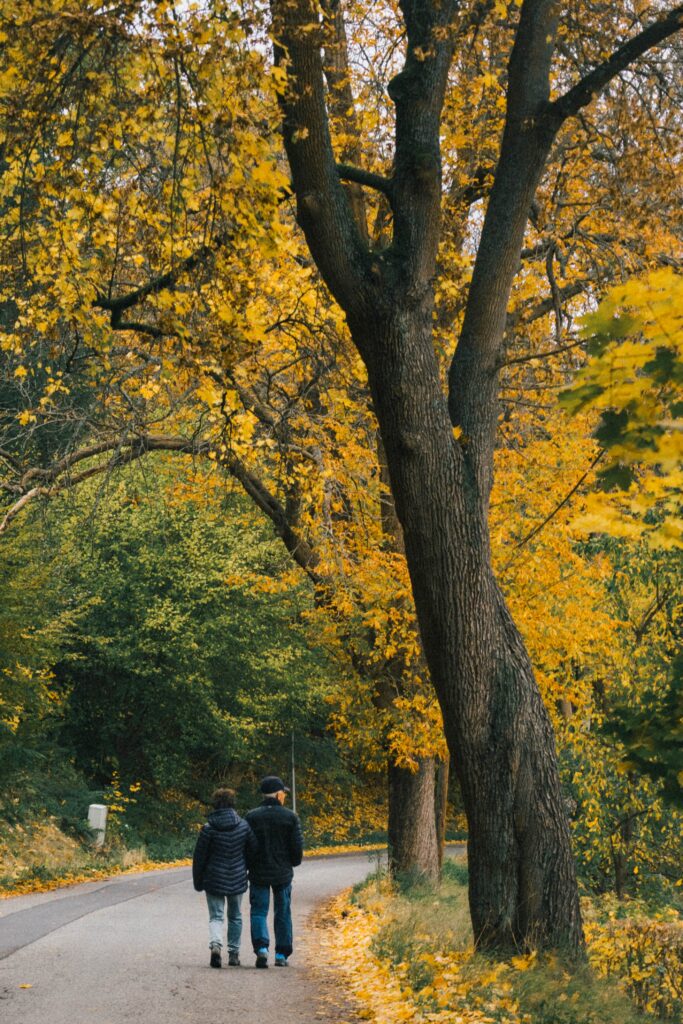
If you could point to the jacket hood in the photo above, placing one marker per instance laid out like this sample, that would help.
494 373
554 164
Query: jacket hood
224 819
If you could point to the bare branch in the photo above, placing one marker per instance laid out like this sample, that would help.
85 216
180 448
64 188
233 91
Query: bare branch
126 450
542 355
583 92
560 505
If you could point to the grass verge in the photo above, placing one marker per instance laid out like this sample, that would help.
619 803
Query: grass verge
407 955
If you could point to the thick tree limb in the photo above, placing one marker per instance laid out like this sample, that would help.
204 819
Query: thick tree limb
342 105
530 128
368 178
524 149
300 550
48 490
323 209
64 465
418 94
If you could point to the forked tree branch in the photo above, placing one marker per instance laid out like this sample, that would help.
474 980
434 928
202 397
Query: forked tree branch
532 122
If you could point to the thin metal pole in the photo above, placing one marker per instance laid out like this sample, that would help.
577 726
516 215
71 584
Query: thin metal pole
293 777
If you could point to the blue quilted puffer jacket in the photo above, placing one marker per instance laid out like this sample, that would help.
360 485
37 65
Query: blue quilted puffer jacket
219 863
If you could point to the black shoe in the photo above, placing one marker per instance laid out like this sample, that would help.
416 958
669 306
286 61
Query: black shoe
262 958
216 958
233 959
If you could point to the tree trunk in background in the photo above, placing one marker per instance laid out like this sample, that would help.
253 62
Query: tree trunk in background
413 843
441 806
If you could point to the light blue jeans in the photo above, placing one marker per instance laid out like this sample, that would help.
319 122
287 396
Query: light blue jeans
216 904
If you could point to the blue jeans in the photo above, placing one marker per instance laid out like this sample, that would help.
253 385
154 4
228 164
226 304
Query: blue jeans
216 904
259 900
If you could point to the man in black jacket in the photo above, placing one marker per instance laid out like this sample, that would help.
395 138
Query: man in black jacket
280 848
219 867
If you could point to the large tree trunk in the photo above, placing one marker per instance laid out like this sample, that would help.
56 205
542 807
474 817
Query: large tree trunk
413 841
522 879
522 882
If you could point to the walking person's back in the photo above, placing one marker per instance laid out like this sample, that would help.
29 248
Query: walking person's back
279 849
219 868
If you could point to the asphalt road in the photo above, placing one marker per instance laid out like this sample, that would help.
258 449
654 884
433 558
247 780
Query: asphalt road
135 948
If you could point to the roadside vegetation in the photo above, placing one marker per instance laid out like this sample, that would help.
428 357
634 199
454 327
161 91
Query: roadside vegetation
117 617
407 954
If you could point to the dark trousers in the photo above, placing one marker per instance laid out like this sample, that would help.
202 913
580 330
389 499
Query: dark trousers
259 901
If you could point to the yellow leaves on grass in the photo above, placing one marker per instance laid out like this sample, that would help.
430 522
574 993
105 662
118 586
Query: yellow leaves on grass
523 963
438 984
382 988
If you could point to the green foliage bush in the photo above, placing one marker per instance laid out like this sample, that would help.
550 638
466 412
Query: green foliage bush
147 642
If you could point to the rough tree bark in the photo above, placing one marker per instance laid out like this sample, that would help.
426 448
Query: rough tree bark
413 849
413 828
441 807
522 880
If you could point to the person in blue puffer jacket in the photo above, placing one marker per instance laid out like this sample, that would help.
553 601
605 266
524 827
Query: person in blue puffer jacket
219 868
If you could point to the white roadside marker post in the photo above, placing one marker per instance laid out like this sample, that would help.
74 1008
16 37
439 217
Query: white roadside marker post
97 819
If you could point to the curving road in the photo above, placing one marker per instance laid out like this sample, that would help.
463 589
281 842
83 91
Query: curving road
135 948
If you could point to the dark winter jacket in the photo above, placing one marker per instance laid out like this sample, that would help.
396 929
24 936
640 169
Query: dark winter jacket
280 843
219 864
